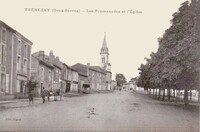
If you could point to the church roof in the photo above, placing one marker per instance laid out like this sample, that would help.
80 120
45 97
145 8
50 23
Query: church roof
104 48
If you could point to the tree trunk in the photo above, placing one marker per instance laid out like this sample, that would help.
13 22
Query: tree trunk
174 93
176 97
186 97
156 93
198 96
163 94
169 94
153 92
159 93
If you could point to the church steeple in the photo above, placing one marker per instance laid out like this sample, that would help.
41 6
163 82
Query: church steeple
104 61
104 48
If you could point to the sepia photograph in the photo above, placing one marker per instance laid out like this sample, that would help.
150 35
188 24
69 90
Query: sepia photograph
99 66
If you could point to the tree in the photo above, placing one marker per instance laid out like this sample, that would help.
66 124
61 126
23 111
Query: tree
31 86
120 79
176 63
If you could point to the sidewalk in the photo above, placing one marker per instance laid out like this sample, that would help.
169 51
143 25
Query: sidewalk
172 102
17 100
72 94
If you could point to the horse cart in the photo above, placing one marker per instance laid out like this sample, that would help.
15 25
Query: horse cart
54 92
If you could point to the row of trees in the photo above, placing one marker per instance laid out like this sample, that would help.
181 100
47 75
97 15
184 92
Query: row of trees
176 64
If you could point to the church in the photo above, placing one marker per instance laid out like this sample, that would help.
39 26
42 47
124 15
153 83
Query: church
99 77
104 62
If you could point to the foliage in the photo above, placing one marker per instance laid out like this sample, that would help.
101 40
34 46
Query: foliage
31 86
176 63
120 79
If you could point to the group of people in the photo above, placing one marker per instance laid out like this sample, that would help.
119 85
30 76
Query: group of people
45 93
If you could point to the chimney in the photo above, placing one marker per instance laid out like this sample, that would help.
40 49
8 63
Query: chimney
57 58
51 56
51 53
41 54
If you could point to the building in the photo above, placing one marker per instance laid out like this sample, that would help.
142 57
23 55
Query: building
104 63
42 70
82 75
64 77
96 76
82 79
58 65
113 85
15 56
104 53
72 80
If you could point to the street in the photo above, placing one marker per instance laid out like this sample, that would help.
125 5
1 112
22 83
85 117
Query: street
114 111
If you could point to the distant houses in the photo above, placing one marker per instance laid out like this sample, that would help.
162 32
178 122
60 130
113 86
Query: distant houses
18 65
96 76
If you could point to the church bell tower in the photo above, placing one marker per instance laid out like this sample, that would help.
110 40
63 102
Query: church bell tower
104 61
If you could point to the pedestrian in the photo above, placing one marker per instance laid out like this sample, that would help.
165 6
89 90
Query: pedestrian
30 96
43 95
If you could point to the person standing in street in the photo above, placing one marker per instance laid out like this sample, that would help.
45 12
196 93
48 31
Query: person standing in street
43 95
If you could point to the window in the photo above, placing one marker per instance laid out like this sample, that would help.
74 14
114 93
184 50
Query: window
19 47
56 74
42 69
49 75
103 60
18 63
25 62
3 54
25 51
4 35
25 65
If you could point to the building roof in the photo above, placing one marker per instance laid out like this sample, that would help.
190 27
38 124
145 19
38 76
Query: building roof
82 74
41 61
98 69
16 32
80 68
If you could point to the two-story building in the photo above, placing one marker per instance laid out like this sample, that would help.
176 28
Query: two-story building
96 76
15 56
58 65
74 81
64 77
42 70
82 75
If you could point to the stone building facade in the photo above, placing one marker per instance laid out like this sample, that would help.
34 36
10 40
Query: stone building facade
58 65
15 56
42 70
96 76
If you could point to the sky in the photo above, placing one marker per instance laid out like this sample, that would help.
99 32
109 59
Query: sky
77 37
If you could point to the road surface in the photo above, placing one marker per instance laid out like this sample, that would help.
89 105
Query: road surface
116 111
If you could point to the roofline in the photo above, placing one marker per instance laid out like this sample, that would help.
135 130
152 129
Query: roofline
43 62
96 70
82 74
16 32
